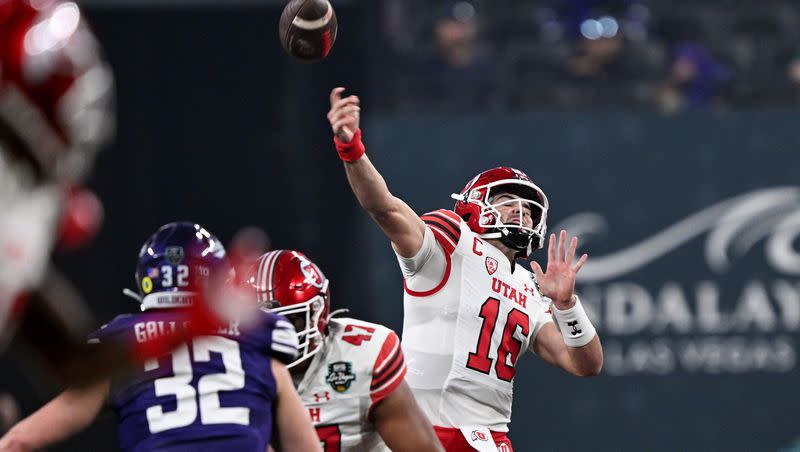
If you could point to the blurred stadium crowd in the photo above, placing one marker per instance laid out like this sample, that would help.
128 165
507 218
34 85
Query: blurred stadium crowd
665 55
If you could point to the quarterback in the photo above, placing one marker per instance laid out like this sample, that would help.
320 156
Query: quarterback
470 310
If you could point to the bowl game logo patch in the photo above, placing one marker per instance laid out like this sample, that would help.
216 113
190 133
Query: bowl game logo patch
340 375
174 254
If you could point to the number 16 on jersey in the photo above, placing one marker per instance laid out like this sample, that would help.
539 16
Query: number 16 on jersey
509 348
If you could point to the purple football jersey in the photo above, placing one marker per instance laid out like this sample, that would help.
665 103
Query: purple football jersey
210 393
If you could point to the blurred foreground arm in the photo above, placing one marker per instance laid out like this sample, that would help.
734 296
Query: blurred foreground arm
55 324
294 429
69 413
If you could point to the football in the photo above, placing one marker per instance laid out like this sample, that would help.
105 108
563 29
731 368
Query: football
308 29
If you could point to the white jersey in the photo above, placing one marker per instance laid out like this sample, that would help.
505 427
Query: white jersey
27 228
360 364
467 320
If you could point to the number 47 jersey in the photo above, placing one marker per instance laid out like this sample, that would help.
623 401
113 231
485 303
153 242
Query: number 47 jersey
468 318
210 393
359 365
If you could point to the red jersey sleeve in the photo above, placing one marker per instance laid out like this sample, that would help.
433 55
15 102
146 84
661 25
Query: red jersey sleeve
446 227
389 369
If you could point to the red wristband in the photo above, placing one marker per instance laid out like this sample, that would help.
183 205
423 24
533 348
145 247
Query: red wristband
352 151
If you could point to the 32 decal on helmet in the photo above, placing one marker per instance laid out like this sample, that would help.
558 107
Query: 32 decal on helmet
176 264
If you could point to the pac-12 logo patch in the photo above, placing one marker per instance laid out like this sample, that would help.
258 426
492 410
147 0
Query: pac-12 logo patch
340 376
491 265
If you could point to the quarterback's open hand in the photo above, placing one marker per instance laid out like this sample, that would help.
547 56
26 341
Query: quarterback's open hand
558 282
344 115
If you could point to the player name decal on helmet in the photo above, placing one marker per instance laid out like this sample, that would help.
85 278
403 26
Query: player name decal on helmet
175 299
340 376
